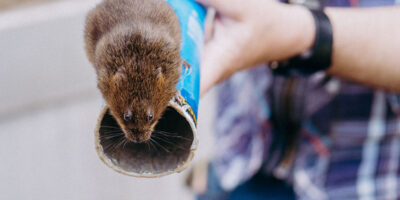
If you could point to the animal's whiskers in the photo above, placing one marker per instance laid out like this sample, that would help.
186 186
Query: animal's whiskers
112 146
125 143
151 146
111 135
120 143
171 143
110 127
158 144
172 135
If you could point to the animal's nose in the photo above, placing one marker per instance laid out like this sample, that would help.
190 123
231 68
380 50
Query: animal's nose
135 132
140 136
135 140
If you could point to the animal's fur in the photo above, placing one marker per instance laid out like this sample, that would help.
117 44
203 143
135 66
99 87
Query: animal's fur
134 46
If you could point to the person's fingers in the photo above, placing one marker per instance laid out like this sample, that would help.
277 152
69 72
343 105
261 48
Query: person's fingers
208 76
230 8
207 81
213 66
218 59
210 69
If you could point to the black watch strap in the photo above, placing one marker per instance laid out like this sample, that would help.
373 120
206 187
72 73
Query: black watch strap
318 58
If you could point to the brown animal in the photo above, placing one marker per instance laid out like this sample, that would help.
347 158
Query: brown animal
134 45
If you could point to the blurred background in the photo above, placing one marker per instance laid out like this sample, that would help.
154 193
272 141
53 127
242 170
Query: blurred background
49 105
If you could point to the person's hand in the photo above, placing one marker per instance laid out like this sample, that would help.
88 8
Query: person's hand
247 33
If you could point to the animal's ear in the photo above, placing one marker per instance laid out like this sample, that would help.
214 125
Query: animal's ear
160 74
159 71
119 75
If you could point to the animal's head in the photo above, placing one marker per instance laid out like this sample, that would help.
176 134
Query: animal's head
137 74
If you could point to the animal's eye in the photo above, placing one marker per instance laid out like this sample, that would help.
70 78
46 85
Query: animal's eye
151 117
128 117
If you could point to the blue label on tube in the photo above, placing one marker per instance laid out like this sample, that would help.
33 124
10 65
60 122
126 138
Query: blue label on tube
191 18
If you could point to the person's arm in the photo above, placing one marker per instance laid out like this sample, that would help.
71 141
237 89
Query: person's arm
366 46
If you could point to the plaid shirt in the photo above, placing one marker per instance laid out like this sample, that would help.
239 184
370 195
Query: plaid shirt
348 146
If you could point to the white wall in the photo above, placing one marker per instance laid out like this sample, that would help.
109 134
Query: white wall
42 56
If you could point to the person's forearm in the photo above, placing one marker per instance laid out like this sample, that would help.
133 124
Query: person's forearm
366 41
366 45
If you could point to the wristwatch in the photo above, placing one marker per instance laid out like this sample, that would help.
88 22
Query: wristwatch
318 58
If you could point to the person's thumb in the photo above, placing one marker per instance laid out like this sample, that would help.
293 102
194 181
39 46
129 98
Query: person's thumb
208 78
229 8
213 67
209 72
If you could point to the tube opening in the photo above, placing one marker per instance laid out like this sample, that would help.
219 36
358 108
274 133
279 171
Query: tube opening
169 147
